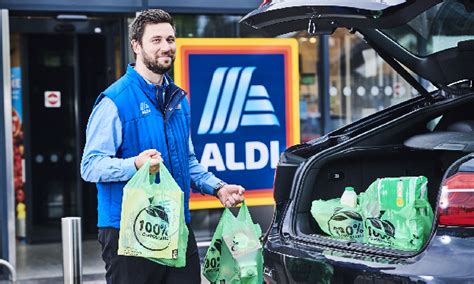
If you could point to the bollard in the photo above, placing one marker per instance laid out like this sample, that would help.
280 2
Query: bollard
10 268
72 249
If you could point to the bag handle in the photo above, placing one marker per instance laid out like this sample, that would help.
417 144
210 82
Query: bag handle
244 213
422 206
142 177
166 179
143 174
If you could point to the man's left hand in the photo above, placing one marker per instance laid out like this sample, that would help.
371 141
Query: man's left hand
231 195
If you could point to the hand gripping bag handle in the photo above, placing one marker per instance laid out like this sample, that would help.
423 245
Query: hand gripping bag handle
140 178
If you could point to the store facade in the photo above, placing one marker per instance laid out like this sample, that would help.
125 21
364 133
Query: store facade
60 56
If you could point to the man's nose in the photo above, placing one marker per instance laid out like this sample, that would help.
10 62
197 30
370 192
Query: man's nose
165 47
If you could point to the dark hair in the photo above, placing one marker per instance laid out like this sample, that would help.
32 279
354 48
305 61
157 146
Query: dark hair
146 17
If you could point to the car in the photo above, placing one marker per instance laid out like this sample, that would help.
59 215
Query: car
430 135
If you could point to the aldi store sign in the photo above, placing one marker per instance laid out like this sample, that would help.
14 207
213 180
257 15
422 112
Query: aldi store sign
244 109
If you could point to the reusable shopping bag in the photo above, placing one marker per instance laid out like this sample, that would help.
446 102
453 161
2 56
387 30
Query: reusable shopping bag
407 229
168 182
213 261
246 248
396 213
152 218
235 252
392 193
337 220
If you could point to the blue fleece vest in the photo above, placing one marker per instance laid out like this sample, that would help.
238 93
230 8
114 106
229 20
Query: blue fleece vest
146 126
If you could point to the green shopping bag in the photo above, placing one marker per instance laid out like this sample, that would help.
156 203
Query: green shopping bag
235 252
167 182
414 225
337 220
212 261
392 193
396 213
406 229
151 214
246 248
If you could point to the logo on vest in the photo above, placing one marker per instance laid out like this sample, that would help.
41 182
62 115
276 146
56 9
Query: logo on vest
144 108
240 104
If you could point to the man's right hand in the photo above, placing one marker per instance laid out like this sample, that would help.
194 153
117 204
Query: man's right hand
155 161
230 195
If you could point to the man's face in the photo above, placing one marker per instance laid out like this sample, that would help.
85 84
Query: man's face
158 48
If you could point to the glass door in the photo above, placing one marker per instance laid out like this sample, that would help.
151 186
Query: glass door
64 67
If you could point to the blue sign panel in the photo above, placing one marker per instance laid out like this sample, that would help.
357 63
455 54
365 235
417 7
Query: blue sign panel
244 109
238 115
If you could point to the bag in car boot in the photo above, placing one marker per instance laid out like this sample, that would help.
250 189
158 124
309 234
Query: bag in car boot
396 213
338 220
392 193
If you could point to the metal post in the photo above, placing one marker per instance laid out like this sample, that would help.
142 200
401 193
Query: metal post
72 249
11 268
7 199
347 75
324 84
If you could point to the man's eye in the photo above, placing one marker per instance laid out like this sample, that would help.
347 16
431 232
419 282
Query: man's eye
171 40
156 40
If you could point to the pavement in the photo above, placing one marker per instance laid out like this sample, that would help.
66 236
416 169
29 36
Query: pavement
42 263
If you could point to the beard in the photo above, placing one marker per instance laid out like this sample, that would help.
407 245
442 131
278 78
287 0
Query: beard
156 67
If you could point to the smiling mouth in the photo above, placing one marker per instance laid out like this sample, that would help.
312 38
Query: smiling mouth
165 58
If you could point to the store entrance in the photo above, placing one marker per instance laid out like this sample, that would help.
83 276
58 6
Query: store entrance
65 66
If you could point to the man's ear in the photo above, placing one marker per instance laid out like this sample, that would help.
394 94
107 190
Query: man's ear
136 46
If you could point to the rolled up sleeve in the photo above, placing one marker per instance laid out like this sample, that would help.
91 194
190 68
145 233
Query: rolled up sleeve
103 138
201 179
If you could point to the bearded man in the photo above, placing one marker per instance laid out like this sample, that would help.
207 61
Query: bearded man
145 116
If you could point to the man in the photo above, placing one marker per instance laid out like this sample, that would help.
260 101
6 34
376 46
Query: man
142 116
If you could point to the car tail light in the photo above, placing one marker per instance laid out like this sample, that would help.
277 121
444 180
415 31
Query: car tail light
265 2
456 205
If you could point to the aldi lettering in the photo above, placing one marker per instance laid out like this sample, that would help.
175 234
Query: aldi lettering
257 156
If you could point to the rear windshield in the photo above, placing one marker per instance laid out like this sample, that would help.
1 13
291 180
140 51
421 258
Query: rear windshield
438 28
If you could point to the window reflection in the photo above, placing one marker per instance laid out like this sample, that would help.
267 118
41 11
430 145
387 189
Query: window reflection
360 82
207 25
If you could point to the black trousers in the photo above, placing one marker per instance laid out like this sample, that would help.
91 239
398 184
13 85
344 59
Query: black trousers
138 270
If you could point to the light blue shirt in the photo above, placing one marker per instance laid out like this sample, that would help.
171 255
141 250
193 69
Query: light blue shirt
103 139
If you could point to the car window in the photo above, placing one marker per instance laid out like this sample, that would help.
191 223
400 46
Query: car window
361 83
437 29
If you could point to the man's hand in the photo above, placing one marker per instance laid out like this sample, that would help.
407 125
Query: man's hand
155 157
230 195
